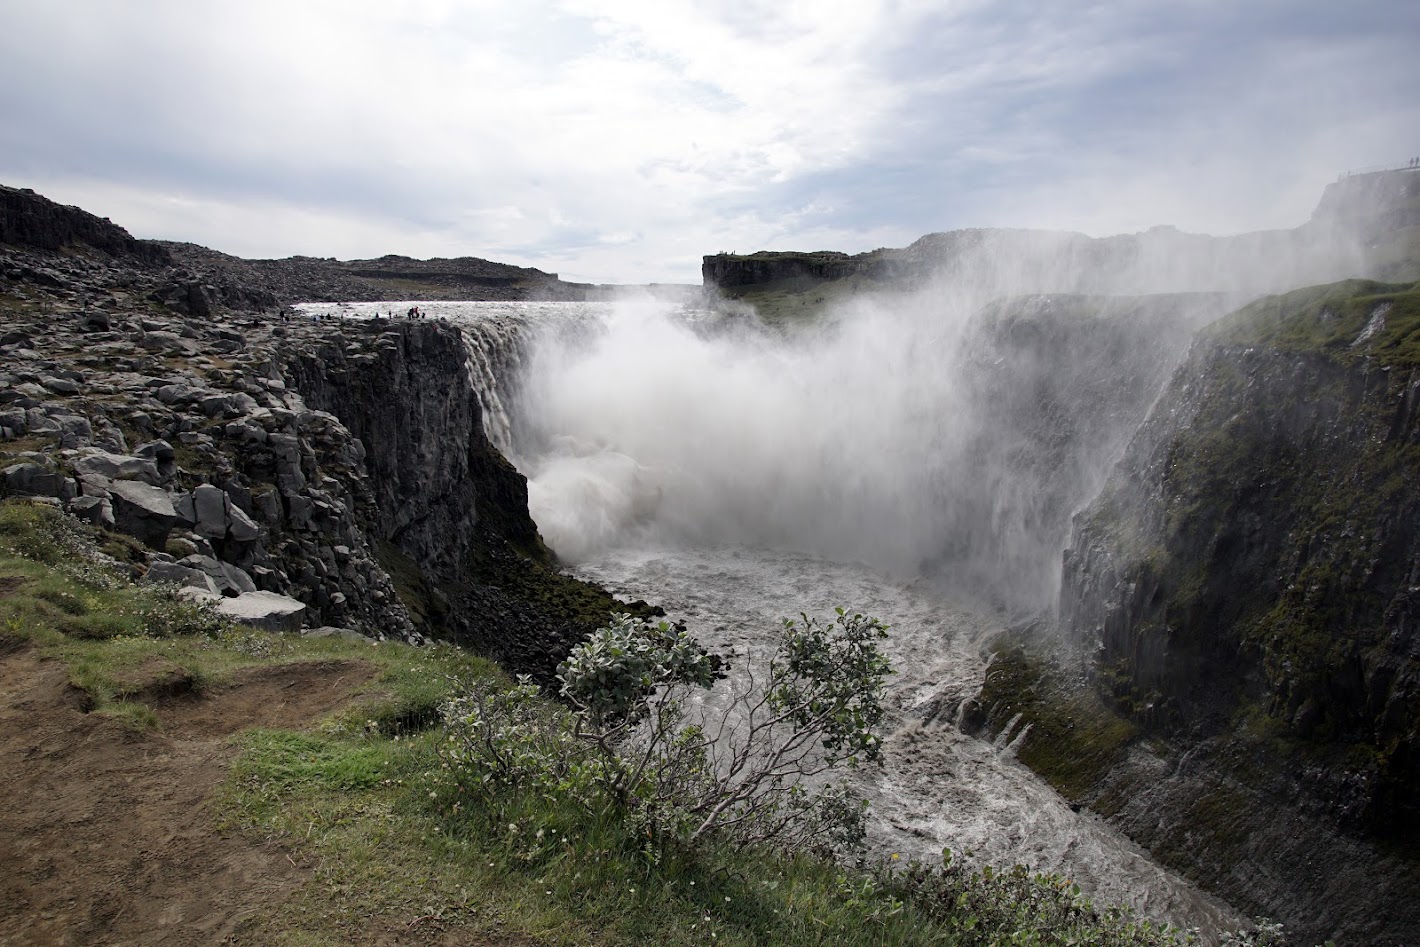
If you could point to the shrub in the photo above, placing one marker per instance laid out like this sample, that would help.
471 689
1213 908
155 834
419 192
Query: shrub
630 747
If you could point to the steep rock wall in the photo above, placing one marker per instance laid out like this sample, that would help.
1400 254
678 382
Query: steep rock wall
1246 586
1053 387
452 511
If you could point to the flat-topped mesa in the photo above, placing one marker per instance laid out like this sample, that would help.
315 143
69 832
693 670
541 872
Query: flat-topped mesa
728 270
30 220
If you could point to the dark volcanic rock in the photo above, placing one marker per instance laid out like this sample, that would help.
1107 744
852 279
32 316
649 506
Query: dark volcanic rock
1247 585
29 220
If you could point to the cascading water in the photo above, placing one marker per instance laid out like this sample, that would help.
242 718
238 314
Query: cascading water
918 463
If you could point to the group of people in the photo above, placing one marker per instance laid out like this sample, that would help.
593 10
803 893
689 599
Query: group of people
416 313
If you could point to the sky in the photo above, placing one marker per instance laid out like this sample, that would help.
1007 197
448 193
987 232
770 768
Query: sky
622 140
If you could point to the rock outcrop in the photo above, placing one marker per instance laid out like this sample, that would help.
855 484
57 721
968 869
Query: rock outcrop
28 220
1246 587
326 474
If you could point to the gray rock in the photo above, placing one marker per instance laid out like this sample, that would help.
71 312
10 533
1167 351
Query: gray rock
118 467
61 386
14 419
210 506
161 340
158 450
240 526
74 431
237 579
177 393
268 505
185 508
227 578
215 405
36 480
266 610
180 575
143 511
95 509
197 302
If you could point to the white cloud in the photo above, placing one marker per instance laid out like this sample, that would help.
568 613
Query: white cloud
622 139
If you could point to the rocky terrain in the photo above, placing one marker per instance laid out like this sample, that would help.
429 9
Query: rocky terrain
327 475
390 277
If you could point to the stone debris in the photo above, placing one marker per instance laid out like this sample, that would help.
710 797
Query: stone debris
148 400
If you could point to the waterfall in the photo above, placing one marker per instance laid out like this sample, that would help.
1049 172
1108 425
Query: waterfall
495 350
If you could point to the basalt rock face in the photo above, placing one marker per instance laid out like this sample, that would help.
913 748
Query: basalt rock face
409 398
1248 586
451 512
29 220
181 434
341 466
728 270
1053 386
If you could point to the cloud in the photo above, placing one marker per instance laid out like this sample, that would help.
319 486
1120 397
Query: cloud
619 140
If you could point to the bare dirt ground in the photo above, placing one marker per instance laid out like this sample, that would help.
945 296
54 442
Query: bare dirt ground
107 836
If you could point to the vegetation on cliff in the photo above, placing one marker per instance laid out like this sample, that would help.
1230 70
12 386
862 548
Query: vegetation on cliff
1246 583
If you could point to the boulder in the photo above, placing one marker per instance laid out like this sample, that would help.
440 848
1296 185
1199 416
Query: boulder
95 509
210 508
161 340
266 610
36 480
181 575
142 511
118 467
226 577
241 527
61 386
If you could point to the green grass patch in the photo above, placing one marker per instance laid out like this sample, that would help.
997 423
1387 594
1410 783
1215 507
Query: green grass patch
1330 320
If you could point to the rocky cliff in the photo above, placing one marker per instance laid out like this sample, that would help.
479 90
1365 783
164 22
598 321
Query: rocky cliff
1246 589
311 279
320 474
1050 390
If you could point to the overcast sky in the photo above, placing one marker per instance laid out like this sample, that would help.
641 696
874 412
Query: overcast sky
620 140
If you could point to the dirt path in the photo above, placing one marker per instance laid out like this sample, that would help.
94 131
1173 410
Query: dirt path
106 836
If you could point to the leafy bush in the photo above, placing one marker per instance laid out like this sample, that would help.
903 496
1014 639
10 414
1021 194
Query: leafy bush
629 750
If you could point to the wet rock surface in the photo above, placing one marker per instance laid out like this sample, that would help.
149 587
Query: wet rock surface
1246 590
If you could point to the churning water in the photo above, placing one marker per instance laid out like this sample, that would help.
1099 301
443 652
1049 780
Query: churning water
737 477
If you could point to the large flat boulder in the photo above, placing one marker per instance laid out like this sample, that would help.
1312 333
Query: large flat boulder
118 467
265 610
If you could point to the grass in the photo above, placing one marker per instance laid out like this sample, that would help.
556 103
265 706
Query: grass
364 802
1329 320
